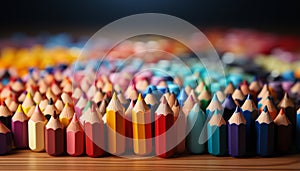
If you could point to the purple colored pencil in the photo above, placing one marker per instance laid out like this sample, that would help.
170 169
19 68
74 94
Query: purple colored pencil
237 134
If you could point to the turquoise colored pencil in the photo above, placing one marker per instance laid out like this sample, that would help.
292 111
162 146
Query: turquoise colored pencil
213 105
217 134
195 123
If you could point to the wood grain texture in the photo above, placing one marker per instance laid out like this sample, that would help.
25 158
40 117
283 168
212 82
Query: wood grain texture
26 160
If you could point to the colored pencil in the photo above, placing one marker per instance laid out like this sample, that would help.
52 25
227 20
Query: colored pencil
298 130
229 89
128 128
115 121
271 107
261 103
188 105
204 98
284 133
180 125
237 134
94 134
36 130
262 92
213 105
50 109
50 94
200 87
37 97
250 113
75 138
141 126
217 134
153 103
254 87
265 134
164 138
81 103
55 136
13 103
238 96
182 96
65 97
102 108
5 115
98 97
244 87
77 93
55 89
221 96
59 105
229 107
125 102
289 108
19 128
66 115
5 139
195 123
27 103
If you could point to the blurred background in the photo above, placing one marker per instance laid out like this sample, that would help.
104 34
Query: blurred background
45 33
77 16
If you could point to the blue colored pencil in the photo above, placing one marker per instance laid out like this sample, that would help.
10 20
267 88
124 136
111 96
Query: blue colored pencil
182 96
265 135
250 113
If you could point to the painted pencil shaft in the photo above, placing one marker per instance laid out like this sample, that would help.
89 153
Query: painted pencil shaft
20 132
142 134
217 141
265 139
36 135
195 123
54 141
250 131
75 138
298 130
5 143
75 143
115 132
141 126
94 139
284 138
237 140
180 124
5 139
164 139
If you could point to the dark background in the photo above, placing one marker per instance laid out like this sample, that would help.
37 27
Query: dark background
76 15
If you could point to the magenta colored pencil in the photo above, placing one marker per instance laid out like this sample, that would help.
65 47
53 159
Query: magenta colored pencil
19 128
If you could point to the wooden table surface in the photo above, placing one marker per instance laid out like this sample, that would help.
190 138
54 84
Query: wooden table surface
27 160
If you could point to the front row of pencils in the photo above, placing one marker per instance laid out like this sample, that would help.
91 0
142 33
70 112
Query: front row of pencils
95 135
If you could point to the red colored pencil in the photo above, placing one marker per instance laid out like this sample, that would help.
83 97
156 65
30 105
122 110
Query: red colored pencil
94 134
75 138
164 120
54 138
